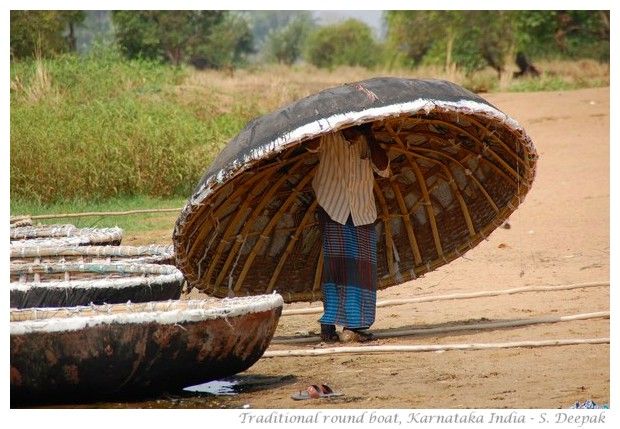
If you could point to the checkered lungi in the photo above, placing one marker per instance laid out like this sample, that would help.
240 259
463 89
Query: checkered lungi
349 273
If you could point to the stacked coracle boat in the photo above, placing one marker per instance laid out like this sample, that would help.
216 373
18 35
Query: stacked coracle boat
91 318
62 265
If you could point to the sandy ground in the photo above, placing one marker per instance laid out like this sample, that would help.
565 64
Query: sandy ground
560 235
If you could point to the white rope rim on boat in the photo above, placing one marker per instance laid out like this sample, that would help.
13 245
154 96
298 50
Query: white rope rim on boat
158 274
152 312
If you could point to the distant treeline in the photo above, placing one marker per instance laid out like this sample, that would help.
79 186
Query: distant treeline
469 40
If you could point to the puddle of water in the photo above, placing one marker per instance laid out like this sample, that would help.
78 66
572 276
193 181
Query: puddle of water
216 387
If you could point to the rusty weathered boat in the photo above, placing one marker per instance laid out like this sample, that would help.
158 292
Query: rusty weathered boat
112 351
70 284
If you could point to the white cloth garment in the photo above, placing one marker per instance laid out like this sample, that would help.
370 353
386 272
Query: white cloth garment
344 181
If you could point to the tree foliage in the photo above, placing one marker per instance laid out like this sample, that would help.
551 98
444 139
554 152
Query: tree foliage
214 38
475 39
264 22
43 32
285 44
348 43
228 44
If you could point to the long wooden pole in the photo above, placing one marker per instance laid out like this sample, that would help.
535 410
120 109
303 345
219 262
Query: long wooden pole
481 294
392 333
431 347
122 213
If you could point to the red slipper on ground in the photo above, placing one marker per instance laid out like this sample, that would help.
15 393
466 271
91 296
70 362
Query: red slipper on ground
315 392
328 392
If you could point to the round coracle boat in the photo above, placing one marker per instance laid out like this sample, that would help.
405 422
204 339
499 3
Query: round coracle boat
70 284
65 235
120 350
459 168
153 254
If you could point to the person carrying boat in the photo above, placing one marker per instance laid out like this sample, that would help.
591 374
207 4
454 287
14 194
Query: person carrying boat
343 185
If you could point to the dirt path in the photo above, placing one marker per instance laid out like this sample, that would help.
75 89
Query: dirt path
560 235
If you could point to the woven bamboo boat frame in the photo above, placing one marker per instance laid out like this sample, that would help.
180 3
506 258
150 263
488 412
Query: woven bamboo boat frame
459 170
70 284
64 235
153 254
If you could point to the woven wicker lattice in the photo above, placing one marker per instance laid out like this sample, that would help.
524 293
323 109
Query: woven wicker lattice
65 235
460 168
70 284
153 254
17 221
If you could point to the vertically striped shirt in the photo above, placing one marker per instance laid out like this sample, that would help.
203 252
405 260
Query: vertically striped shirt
343 183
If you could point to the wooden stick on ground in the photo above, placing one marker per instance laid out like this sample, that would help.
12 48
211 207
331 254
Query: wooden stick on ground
431 347
392 333
122 213
481 294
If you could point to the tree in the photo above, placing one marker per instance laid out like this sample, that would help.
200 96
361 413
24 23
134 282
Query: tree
348 43
263 22
43 32
175 36
410 34
227 45
467 39
475 39
285 45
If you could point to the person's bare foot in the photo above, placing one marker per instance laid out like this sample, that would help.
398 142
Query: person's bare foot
355 336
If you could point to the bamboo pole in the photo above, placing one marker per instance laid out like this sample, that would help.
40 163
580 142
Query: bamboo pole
415 250
423 189
475 139
269 227
389 251
469 295
476 181
498 140
457 193
438 139
291 245
195 222
118 213
394 333
431 347
241 213
265 199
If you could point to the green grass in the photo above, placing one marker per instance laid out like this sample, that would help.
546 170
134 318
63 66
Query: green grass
98 127
130 223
